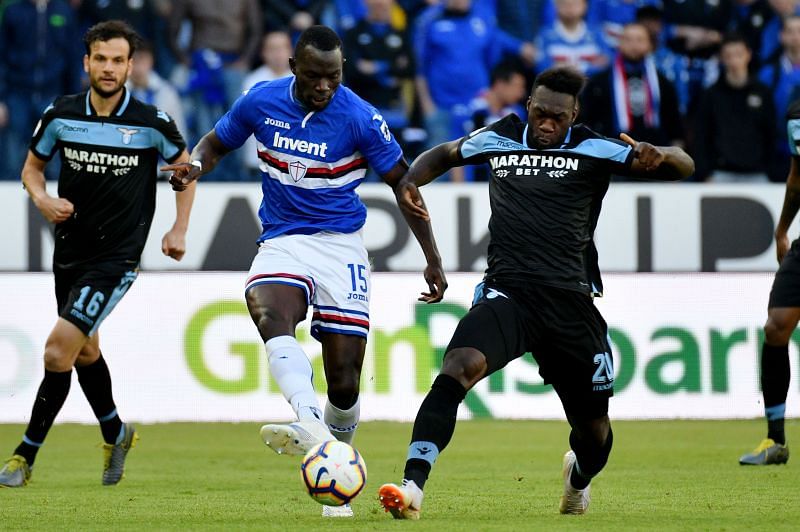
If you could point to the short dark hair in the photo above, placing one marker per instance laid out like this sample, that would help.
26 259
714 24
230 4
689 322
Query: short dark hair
320 37
111 29
563 79
649 12
734 38
504 71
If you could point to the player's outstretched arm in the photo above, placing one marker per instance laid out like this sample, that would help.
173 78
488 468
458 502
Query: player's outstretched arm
204 158
665 163
421 227
173 244
791 204
55 210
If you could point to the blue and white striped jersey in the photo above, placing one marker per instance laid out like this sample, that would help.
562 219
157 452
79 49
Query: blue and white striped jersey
311 161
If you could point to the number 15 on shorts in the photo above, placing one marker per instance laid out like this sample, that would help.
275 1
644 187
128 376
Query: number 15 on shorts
359 286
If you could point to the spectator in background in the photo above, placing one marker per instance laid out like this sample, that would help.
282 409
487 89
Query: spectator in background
571 41
748 19
694 32
770 47
148 17
632 97
40 59
457 44
294 16
735 131
276 50
380 64
225 37
782 77
520 18
148 87
502 98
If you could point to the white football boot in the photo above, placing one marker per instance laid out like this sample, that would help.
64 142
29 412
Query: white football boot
337 511
295 438
403 502
573 501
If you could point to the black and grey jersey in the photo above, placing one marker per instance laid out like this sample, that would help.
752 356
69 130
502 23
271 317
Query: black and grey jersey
545 202
108 171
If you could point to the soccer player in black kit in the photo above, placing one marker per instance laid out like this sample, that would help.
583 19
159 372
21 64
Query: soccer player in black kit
548 178
783 314
109 145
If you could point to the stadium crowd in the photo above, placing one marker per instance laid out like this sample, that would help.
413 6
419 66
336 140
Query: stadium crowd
713 76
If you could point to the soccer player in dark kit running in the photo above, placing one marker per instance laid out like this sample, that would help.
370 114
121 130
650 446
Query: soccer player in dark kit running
783 314
548 178
109 145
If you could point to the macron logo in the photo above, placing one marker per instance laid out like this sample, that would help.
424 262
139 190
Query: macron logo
302 146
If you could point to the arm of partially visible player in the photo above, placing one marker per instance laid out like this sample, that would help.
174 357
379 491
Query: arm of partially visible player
421 227
791 204
425 168
173 244
204 158
55 210
665 163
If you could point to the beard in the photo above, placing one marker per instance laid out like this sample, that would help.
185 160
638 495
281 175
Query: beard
106 93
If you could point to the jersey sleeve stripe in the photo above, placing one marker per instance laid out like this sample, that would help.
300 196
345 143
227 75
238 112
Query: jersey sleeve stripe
602 149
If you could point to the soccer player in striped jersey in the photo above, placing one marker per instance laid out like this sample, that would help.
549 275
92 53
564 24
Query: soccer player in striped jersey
315 139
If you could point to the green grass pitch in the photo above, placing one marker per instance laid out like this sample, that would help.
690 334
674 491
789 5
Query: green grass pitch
495 475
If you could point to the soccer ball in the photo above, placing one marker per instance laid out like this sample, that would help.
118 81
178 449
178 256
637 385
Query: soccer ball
334 473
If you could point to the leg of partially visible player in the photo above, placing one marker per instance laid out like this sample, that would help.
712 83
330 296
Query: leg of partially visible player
775 376
276 310
60 352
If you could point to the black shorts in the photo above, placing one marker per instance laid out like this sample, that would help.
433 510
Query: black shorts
562 329
86 295
786 286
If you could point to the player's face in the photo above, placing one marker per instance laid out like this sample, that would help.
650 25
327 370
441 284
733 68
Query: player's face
550 115
108 66
317 76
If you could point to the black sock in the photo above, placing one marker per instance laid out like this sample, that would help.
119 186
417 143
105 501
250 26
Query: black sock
50 398
591 457
95 380
433 428
775 376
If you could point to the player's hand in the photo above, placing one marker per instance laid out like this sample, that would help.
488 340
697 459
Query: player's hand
410 200
182 175
173 244
55 210
781 245
649 156
437 284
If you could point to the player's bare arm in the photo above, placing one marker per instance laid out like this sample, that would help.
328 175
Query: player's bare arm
55 210
425 168
173 244
791 204
421 227
204 158
665 163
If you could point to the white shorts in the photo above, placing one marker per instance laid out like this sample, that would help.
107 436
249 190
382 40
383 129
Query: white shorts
331 268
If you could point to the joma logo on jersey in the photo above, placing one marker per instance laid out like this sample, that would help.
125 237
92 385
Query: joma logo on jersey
531 164
302 146
99 162
277 123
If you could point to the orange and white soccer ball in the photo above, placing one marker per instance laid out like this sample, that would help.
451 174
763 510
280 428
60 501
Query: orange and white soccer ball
334 473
